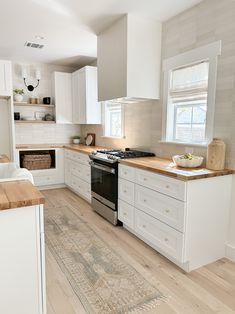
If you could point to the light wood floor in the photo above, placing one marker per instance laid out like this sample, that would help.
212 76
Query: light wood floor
210 289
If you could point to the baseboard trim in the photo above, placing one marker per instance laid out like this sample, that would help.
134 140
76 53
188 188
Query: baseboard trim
230 252
51 187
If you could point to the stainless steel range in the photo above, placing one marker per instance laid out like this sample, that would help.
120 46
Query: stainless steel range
104 180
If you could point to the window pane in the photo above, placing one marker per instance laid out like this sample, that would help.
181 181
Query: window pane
199 114
198 132
192 76
115 123
184 114
183 132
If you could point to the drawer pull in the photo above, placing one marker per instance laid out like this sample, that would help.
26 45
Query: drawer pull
167 211
145 179
124 191
166 239
144 226
167 186
124 214
125 172
145 201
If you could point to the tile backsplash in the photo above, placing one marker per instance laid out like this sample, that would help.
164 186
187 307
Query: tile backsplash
41 133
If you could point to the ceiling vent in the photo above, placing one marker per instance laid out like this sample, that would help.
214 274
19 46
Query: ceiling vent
33 45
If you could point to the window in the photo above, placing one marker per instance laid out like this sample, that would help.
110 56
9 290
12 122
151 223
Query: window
113 119
188 98
189 95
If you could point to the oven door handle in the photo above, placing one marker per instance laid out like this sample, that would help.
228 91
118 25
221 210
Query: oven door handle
102 167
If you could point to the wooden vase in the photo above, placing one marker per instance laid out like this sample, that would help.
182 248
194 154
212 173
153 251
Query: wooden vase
216 155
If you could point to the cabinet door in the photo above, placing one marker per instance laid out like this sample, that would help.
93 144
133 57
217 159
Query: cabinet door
20 261
82 96
63 97
93 107
75 94
5 78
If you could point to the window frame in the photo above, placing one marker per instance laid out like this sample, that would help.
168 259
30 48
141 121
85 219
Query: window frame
207 53
104 119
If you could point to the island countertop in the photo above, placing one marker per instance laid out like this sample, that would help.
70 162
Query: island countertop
14 194
167 167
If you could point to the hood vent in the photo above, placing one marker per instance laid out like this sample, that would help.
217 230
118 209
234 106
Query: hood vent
33 45
129 60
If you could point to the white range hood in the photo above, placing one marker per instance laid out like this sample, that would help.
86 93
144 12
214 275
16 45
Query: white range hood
129 59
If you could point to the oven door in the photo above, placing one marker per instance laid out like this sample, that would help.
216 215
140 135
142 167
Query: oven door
104 184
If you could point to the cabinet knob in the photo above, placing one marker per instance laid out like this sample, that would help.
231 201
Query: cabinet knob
167 186
124 214
124 191
145 201
125 172
166 239
167 210
145 179
144 226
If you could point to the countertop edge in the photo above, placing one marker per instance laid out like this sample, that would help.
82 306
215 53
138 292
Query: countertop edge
178 175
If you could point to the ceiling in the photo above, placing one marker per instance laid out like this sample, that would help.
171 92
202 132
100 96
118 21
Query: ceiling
69 27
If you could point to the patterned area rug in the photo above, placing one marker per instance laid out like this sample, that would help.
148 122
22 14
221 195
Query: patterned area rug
101 279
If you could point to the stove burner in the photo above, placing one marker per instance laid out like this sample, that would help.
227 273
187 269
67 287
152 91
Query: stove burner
115 154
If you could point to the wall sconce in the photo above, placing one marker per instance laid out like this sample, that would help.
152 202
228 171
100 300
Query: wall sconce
38 77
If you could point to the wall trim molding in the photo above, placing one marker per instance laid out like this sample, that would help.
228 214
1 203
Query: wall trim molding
230 252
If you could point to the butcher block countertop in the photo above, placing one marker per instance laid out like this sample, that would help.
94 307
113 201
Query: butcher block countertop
76 147
4 159
167 167
14 194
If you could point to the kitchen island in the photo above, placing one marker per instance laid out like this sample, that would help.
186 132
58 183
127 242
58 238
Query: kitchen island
22 273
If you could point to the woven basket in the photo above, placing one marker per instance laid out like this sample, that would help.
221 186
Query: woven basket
34 162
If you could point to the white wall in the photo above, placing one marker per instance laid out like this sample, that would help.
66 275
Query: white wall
39 133
209 21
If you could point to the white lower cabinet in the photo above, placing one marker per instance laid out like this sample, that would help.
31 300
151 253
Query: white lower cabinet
22 273
126 213
160 235
78 173
186 221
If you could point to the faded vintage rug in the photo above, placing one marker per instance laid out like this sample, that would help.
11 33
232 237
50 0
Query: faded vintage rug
101 279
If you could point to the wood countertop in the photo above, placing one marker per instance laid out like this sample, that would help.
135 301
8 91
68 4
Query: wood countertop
167 167
14 194
4 159
76 147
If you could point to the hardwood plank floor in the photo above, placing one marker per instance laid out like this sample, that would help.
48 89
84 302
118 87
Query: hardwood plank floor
210 289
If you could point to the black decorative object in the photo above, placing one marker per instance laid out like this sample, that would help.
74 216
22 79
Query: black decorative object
46 100
31 87
16 116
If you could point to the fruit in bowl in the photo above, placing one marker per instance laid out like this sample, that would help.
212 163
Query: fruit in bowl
187 160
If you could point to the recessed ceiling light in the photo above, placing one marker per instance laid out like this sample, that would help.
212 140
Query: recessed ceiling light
39 37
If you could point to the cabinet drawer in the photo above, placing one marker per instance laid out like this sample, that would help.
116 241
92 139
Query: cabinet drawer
81 187
160 235
44 180
126 191
86 172
77 157
126 213
126 172
76 169
163 184
162 207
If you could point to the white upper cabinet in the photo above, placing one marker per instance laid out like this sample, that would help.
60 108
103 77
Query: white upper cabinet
129 59
86 109
5 78
63 97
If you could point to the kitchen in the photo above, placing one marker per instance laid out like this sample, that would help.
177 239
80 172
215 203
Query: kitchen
173 249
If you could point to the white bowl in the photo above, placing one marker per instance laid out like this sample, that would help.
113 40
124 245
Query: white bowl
195 162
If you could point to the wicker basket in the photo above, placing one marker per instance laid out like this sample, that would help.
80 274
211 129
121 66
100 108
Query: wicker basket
34 162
